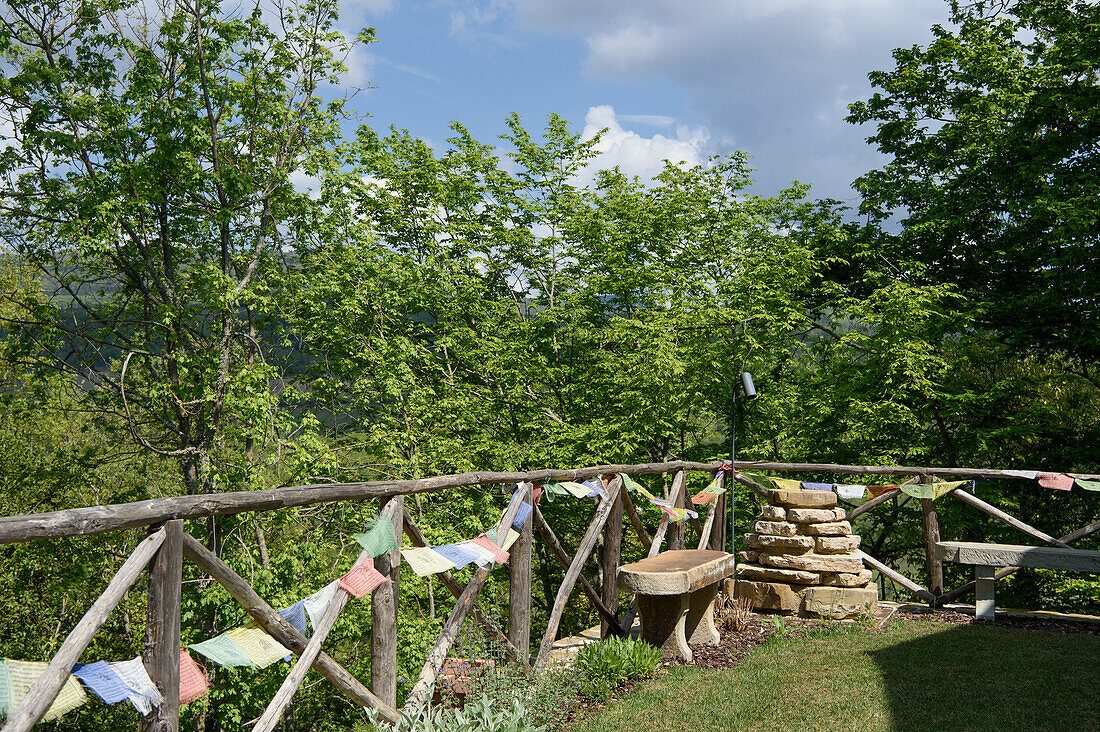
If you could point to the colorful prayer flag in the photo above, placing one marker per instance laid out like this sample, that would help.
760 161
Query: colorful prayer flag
193 680
379 539
787 484
1025 474
459 555
16 680
296 616
817 486
850 491
1057 481
499 555
877 490
363 579
575 489
318 602
1089 485
762 480
260 648
120 681
931 490
425 561
223 651
522 513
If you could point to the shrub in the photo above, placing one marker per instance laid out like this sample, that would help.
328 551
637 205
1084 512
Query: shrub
481 716
603 666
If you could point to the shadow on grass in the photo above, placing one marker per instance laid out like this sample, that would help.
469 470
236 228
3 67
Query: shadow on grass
984 677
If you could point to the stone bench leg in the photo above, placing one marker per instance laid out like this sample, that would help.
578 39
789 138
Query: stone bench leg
663 618
699 624
984 590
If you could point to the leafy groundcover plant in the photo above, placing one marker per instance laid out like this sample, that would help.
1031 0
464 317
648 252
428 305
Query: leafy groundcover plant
603 666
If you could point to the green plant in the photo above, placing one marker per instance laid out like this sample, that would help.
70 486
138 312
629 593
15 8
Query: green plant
605 665
483 715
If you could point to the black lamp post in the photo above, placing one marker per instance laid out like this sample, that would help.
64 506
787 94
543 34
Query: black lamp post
750 393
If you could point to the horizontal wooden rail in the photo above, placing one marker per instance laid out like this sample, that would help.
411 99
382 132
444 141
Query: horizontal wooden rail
897 470
99 519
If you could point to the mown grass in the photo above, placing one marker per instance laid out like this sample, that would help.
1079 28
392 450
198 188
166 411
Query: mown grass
911 676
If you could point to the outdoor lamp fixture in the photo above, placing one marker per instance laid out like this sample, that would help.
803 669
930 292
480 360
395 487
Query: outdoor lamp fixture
750 393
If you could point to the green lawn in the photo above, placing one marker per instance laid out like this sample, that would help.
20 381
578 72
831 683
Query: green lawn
911 676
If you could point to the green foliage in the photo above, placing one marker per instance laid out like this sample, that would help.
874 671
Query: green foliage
480 715
603 666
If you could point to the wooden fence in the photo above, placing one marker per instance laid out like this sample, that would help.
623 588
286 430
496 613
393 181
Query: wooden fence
167 544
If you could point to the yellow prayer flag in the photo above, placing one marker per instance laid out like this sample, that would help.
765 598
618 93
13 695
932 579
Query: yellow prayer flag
23 674
262 650
576 489
425 561
787 484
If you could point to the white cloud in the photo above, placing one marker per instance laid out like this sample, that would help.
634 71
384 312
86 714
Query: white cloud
772 76
638 155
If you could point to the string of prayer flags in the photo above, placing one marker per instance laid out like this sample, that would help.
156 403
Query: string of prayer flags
574 489
499 555
379 539
193 680
931 490
260 648
817 486
1025 474
118 681
708 494
763 481
318 602
850 491
633 485
459 554
787 484
551 489
1089 485
224 651
1056 481
874 491
594 488
363 578
16 680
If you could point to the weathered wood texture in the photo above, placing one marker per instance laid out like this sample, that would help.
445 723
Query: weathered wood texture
894 470
574 571
931 522
383 609
45 688
422 689
280 629
519 584
551 540
278 704
1007 518
447 579
1015 555
98 519
162 629
897 577
612 551
1006 571
676 530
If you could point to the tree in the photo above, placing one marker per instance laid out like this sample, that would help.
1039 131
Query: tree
994 134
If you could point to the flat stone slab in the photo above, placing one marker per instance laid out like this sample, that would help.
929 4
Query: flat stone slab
802 499
843 579
815 515
815 562
1014 555
775 528
836 544
676 572
776 574
839 603
834 528
777 596
800 544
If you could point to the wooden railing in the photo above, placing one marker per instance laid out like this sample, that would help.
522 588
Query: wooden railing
166 545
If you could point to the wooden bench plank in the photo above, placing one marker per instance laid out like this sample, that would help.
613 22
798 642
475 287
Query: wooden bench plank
1012 555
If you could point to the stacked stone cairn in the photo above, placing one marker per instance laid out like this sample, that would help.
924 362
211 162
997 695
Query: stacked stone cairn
803 559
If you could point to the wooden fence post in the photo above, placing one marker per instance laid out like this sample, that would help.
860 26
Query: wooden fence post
612 552
162 629
931 536
718 537
383 611
519 583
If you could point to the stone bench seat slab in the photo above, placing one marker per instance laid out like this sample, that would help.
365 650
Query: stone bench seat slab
1013 555
674 593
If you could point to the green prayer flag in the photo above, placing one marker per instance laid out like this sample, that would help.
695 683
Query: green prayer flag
930 490
379 539
633 485
1089 485
223 651
762 480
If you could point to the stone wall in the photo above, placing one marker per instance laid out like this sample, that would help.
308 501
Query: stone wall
803 558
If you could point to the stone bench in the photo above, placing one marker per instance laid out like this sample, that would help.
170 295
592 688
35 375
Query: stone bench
674 594
985 557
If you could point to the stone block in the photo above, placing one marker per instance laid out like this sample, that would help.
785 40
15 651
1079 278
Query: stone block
836 544
748 556
833 528
802 499
843 579
773 513
839 514
776 574
839 603
775 596
790 544
814 562
811 515
775 528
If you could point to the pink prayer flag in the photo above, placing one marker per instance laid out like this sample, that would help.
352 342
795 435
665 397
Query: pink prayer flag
702 499
363 579
193 681
1057 481
499 555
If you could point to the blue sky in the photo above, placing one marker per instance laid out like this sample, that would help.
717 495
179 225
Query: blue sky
682 79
